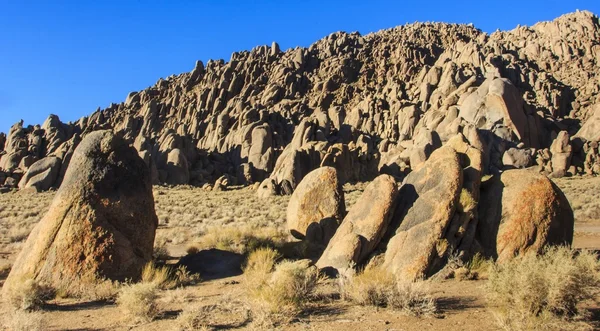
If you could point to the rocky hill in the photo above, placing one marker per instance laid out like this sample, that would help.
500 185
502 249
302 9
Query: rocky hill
379 103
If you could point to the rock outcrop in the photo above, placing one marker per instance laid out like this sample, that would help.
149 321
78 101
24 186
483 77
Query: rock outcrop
366 105
522 211
427 204
42 175
101 223
363 227
316 208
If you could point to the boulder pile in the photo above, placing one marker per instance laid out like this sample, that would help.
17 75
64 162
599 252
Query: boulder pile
365 105
443 209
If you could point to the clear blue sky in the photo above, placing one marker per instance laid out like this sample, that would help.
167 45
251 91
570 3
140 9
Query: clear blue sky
70 57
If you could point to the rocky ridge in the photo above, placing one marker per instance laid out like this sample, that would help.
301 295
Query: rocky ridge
365 105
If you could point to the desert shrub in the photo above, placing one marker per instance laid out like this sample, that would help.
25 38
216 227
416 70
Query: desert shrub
466 201
375 286
20 320
28 294
138 301
542 291
160 276
279 291
89 288
167 277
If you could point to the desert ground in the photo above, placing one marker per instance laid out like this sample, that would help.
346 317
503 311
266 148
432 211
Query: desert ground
192 220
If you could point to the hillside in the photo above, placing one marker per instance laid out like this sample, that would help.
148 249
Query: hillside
379 103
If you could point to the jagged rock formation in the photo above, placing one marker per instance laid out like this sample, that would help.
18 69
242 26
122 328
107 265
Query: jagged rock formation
379 103
101 223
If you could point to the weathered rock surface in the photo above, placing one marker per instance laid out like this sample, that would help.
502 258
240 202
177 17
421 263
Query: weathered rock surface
427 202
316 208
101 223
42 175
363 227
521 212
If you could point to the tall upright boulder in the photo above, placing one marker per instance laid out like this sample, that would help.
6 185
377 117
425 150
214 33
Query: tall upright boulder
427 203
363 227
101 223
316 207
522 211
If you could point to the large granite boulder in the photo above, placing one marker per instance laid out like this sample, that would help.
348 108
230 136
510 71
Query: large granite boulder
316 207
363 227
522 211
178 172
426 206
101 223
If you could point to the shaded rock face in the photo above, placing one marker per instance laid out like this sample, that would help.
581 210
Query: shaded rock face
101 223
522 212
363 227
42 175
177 168
498 102
561 151
426 206
316 208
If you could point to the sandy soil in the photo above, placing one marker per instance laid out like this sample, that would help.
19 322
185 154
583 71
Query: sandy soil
187 215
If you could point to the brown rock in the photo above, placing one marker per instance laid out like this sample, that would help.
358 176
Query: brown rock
363 227
427 204
316 207
521 212
101 223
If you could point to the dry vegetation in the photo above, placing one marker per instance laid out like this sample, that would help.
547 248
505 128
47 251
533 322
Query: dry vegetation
278 290
277 293
375 286
543 292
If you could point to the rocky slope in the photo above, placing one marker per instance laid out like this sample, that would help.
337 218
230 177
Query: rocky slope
379 103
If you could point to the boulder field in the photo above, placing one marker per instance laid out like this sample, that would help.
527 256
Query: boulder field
367 105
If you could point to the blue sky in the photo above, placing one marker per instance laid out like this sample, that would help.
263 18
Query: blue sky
70 57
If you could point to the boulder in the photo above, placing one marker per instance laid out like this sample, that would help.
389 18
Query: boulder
42 174
522 211
590 130
101 223
363 228
178 172
267 188
561 151
498 101
517 158
316 207
427 203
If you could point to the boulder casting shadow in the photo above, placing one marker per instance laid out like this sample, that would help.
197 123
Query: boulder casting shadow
213 263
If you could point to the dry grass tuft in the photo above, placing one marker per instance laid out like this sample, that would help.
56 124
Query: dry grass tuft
375 286
542 292
279 291
138 302
28 294
20 320
165 277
